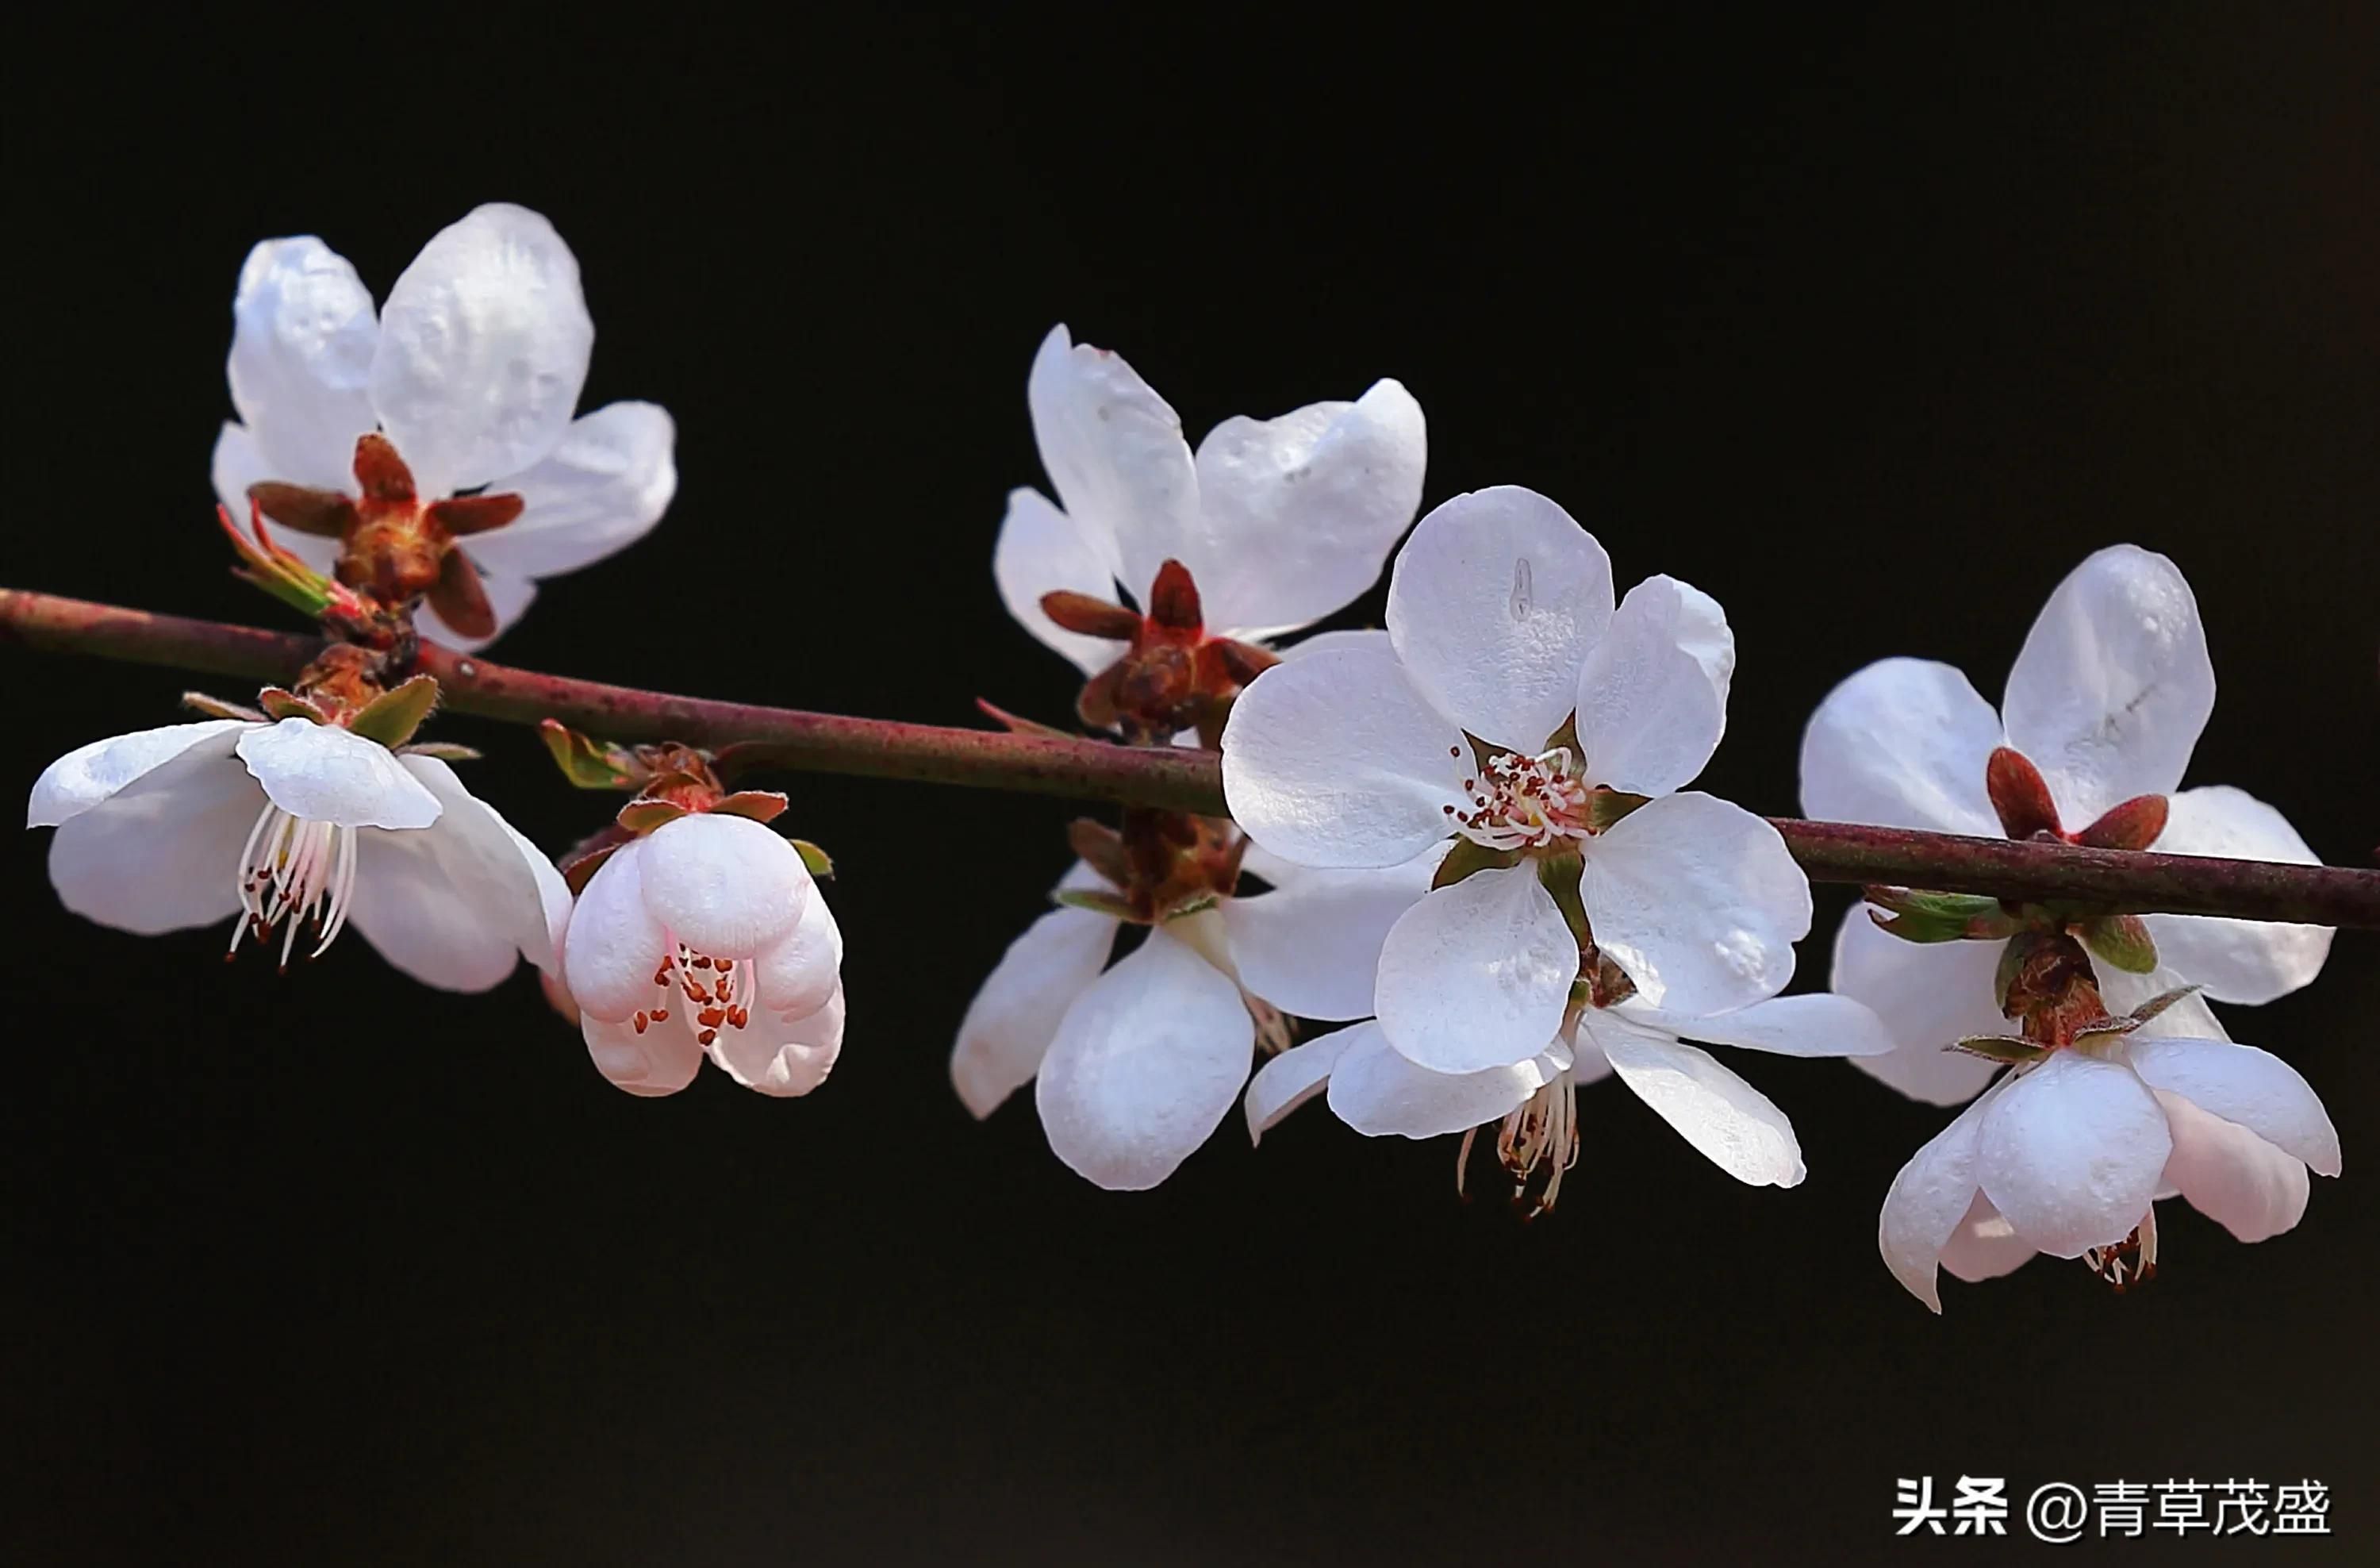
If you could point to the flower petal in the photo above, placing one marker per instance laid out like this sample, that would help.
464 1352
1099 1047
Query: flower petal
613 945
1493 606
1928 1200
2229 1174
784 1056
2113 685
1114 450
1699 901
1927 995
2248 961
1015 1013
456 905
1652 700
2242 1084
1291 1078
1298 513
162 853
1145 1065
2071 1153
89 774
796 976
601 489
1477 973
1312 946
301 356
483 347
1902 744
1734 1125
1334 759
1379 1092
1041 551
239 462
323 773
726 886
1820 1024
660 1061
1986 1246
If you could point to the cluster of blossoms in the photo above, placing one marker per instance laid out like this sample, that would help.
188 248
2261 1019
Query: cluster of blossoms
1466 845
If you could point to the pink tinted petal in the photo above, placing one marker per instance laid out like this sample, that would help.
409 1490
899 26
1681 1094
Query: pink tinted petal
2242 1084
1902 744
1927 995
725 886
783 1055
1114 452
1291 1078
1016 1012
2113 685
614 946
2231 1175
1493 606
323 773
1928 1200
662 1060
796 976
1986 1246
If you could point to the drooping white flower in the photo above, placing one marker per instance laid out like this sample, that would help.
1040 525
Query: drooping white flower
472 371
2107 700
1136 1065
1504 641
1378 1090
294 823
1278 521
2067 1155
707 936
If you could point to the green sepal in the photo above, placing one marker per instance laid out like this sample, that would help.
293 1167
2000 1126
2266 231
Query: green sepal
1558 875
641 816
2004 976
1098 903
589 763
2001 1048
758 805
444 750
1468 856
2161 1000
1189 904
1606 807
216 707
2122 941
393 716
280 704
1913 915
819 862
577 871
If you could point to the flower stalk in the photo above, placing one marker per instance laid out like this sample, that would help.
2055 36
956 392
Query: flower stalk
1167 778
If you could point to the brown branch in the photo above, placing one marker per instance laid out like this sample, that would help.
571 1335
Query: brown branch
1172 779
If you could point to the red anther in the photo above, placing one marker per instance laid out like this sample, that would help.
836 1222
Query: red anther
661 1015
1173 599
1090 616
381 473
2020 794
701 963
2130 824
738 1017
710 1018
725 964
705 1037
642 1022
463 515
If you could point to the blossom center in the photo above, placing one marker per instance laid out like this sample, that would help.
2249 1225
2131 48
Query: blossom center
294 871
1525 802
706 993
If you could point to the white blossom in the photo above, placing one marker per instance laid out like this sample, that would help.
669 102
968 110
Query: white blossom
472 369
297 823
2107 700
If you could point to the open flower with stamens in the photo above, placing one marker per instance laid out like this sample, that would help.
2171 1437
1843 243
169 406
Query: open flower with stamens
1551 734
387 438
2103 706
1270 526
708 937
1378 1091
300 829
1136 1065
2066 1156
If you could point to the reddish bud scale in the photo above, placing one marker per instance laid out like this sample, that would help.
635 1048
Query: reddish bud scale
2020 794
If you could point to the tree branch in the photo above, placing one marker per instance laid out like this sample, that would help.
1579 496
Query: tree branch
1176 780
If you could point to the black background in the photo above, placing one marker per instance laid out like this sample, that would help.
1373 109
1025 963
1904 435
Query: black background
1870 329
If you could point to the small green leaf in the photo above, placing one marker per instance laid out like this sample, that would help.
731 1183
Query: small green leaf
641 816
1607 806
759 804
820 863
393 716
216 707
2001 1048
588 763
580 870
1468 856
2161 1000
2011 963
282 704
444 750
2122 941
1096 902
1915 914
